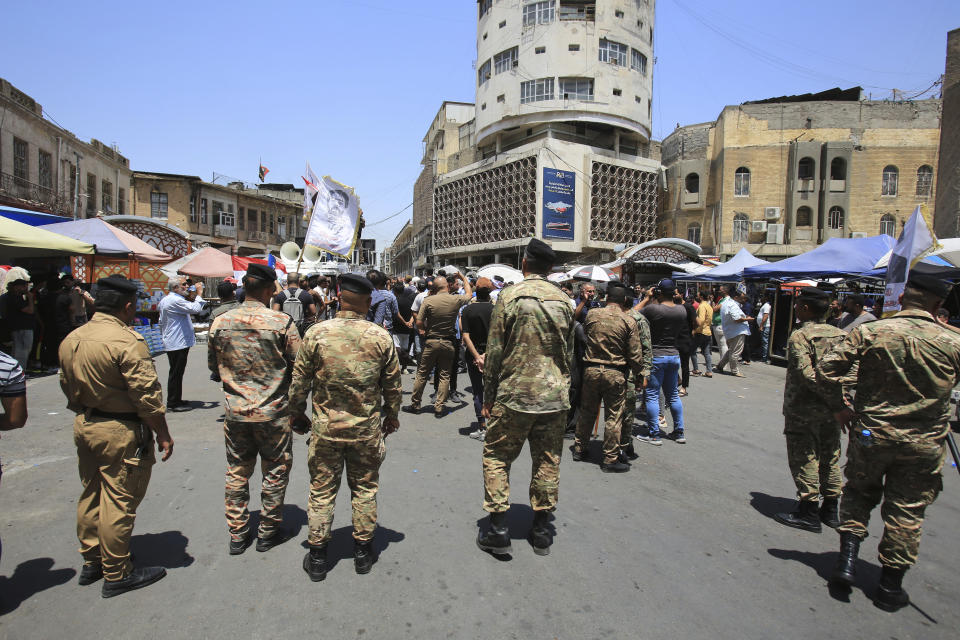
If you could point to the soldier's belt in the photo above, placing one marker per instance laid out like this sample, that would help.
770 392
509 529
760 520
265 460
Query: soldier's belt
110 415
622 368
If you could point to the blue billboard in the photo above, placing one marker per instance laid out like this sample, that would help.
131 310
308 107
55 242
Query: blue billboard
559 196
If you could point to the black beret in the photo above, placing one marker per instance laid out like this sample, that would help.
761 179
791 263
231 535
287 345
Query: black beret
118 283
540 251
261 272
356 283
930 284
813 293
615 284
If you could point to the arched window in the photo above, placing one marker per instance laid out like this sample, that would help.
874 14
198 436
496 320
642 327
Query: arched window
888 225
804 217
835 218
924 181
692 183
741 182
890 177
741 227
693 232
806 169
838 169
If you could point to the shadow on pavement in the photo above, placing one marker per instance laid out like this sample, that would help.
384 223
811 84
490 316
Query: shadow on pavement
294 519
770 505
519 521
201 404
823 563
167 549
28 579
340 546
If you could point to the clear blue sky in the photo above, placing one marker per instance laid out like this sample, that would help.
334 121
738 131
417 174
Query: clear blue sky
352 85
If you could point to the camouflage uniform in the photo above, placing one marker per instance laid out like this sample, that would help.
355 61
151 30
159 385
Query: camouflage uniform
613 350
347 363
526 377
813 436
907 367
630 399
252 350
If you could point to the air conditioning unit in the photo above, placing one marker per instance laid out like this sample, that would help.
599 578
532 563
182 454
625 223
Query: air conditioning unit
758 226
858 234
775 234
771 213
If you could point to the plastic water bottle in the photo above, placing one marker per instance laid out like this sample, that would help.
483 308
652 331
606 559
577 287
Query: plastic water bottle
866 438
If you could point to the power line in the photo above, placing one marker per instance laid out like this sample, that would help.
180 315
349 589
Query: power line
371 224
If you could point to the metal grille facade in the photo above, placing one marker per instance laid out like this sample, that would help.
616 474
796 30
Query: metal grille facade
623 204
490 206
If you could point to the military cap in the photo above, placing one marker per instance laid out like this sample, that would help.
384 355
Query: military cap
121 284
540 251
616 284
261 272
813 293
666 285
930 284
356 283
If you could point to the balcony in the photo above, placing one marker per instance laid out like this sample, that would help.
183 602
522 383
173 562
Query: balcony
257 236
20 189
224 231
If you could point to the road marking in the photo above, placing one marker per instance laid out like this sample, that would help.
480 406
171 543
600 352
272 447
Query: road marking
10 468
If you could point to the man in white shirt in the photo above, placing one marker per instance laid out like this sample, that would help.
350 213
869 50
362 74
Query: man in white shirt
177 328
763 321
736 328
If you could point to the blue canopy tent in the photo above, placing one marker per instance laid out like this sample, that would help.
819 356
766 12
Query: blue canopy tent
835 258
32 218
730 271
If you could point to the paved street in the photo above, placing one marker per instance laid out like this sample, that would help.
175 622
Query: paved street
683 546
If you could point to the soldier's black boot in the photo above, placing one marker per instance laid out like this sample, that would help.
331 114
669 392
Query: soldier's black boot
830 512
541 537
265 544
363 557
890 595
806 517
137 579
315 563
629 452
496 539
90 572
846 570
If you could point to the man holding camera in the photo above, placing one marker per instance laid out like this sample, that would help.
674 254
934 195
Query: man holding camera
183 300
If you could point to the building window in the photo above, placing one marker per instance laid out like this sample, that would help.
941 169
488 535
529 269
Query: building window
106 197
638 61
576 88
741 182
804 217
741 228
252 218
193 208
502 97
73 182
217 208
888 225
484 73
618 13
91 194
835 218
838 169
505 60
228 219
806 169
540 50
890 177
241 218
122 202
573 47
203 211
158 204
613 52
692 183
539 13
20 169
502 24
924 181
45 170
485 6
282 226
577 10
536 90
263 221
271 223
693 232
617 92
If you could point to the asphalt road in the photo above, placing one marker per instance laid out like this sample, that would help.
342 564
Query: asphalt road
682 546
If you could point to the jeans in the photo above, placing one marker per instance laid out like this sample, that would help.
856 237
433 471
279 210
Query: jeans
476 384
765 344
22 343
663 374
703 344
178 364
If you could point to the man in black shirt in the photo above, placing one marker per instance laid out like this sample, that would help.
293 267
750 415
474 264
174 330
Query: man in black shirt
474 325
304 314
401 330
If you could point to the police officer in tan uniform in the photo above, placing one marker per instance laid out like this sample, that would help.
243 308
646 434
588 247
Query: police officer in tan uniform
111 384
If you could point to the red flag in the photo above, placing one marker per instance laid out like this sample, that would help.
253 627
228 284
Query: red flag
263 172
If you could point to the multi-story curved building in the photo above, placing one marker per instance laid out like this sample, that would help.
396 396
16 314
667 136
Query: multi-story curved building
559 147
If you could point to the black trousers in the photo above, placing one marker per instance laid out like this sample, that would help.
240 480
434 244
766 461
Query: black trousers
178 364
476 384
685 351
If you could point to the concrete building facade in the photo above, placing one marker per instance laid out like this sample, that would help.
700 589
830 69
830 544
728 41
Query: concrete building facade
398 258
947 214
781 176
40 163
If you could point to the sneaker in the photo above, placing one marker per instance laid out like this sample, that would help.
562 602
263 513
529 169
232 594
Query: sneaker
654 440
678 437
479 434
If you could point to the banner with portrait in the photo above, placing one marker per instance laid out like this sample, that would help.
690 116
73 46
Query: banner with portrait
333 219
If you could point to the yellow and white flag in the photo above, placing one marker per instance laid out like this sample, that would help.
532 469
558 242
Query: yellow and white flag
334 214
916 241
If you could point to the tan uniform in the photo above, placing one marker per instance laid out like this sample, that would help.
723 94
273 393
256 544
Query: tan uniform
110 382
439 313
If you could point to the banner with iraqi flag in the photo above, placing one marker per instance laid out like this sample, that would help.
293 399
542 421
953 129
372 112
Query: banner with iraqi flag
240 266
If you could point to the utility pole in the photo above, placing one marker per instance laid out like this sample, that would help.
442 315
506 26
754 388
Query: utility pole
76 186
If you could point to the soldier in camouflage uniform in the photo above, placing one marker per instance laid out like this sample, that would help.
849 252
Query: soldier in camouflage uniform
813 436
908 365
348 364
251 349
614 350
630 400
526 383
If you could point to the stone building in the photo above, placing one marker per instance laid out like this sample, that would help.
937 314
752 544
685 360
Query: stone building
947 215
224 216
39 163
559 143
398 258
783 175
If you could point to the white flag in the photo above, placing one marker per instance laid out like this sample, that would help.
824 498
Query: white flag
309 192
333 223
916 241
